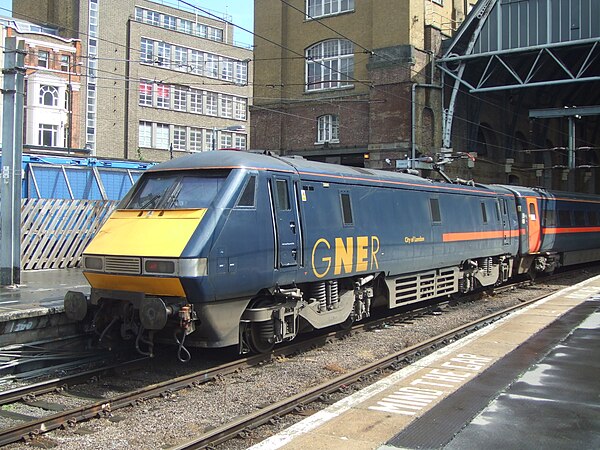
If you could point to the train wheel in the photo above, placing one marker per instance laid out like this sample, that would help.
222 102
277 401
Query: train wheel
260 336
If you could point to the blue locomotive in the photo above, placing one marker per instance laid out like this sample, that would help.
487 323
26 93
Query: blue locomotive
236 248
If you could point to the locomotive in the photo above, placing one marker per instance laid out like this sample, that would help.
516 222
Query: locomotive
244 249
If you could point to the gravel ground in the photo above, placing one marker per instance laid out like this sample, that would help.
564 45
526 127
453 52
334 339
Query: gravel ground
165 422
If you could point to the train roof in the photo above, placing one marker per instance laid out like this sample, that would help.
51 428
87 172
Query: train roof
229 159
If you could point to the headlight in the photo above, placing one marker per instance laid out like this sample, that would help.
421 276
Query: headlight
159 266
93 262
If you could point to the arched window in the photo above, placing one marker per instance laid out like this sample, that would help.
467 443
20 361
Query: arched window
48 95
329 64
328 129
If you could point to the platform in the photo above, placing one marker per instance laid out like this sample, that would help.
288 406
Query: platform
34 309
529 380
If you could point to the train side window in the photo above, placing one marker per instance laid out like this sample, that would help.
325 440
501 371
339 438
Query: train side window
504 207
436 215
484 213
283 196
346 209
247 197
579 218
497 211
550 218
564 218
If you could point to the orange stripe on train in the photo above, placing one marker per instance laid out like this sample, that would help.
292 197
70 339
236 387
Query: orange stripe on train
479 235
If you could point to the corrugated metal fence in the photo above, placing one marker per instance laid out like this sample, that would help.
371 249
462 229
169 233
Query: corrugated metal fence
54 232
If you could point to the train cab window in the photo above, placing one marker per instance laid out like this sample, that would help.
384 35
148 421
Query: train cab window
283 196
176 190
434 206
484 213
247 197
346 209
564 218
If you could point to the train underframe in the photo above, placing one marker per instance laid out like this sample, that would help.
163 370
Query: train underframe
279 314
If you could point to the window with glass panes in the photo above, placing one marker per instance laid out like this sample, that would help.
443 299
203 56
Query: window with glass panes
195 139
164 54
48 95
147 51
169 22
226 69
162 136
226 140
48 135
196 101
212 105
179 99
241 72
179 138
316 8
226 106
211 66
196 62
180 58
239 108
240 141
328 128
329 64
145 134
163 96
145 95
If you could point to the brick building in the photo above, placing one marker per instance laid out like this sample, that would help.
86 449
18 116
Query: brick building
159 80
52 87
344 80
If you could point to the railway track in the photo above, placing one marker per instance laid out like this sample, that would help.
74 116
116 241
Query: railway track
61 416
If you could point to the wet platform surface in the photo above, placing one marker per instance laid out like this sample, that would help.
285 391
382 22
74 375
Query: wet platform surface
40 292
528 381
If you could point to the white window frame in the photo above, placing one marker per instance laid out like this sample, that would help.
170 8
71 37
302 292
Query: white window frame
169 22
180 58
226 69
179 138
329 65
240 141
211 104
226 106
44 128
161 136
320 8
51 91
145 94
147 51
240 108
163 54
163 101
328 129
195 139
43 58
145 134
179 95
241 72
196 101
226 140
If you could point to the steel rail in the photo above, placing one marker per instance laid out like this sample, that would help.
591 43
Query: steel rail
54 421
242 425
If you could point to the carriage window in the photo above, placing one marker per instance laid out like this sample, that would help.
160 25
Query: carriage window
497 211
504 208
550 218
564 218
346 209
283 197
176 190
247 197
579 218
484 213
434 205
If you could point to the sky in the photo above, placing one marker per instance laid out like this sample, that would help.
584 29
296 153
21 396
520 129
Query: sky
241 12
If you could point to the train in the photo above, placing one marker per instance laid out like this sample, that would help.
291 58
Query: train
239 248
